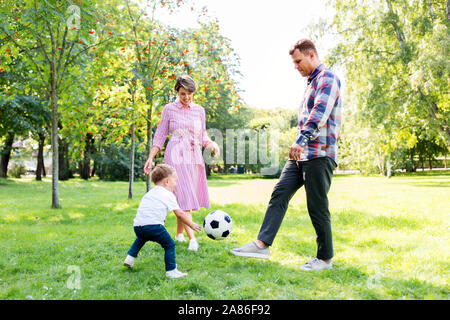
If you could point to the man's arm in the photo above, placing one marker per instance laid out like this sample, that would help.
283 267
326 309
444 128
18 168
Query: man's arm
325 95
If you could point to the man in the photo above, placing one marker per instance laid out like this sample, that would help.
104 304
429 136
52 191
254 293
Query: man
312 159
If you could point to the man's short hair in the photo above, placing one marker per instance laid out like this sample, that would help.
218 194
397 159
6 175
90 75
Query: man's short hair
160 172
304 46
186 82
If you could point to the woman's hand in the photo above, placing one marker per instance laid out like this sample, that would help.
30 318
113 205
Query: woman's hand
148 166
215 148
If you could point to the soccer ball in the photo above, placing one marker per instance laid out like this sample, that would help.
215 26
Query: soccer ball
217 225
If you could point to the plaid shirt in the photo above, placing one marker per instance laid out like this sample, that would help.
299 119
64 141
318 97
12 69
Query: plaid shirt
320 116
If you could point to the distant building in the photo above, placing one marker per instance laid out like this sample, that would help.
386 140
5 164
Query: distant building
26 151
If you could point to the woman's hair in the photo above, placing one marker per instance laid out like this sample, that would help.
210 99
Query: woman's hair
186 82
160 172
304 46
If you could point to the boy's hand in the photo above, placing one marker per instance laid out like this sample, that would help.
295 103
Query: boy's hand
196 227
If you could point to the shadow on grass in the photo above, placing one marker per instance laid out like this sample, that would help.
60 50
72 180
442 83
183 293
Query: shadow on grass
214 273
345 275
427 173
362 219
11 182
436 184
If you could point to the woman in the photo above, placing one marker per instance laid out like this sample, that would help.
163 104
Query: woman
185 122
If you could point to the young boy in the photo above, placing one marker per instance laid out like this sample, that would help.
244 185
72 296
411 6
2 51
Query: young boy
151 215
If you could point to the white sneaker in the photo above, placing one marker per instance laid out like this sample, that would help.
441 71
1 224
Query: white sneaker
180 238
193 245
316 265
252 250
129 261
175 273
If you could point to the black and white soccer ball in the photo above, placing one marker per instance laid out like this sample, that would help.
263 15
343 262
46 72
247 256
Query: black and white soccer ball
217 225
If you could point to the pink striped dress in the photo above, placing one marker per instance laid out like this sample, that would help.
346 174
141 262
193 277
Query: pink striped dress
187 129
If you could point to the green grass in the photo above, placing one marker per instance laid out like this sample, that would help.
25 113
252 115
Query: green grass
391 239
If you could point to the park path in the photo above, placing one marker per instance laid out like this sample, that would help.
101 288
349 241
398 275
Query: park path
253 191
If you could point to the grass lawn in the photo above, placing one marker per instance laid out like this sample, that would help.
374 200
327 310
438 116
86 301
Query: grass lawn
391 241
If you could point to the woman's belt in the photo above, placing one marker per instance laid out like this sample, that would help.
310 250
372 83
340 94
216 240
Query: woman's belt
184 134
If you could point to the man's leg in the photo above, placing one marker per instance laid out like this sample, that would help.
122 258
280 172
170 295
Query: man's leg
317 174
288 184
290 181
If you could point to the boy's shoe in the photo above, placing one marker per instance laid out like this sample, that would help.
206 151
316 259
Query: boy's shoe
175 273
193 245
252 250
180 238
129 262
316 265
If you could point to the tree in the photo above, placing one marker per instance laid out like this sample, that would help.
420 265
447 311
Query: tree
107 69
395 56
156 56
51 35
19 116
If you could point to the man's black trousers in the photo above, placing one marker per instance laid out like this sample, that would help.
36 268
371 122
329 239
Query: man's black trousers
316 176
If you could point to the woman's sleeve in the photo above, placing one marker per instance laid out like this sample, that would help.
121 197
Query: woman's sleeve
163 129
205 137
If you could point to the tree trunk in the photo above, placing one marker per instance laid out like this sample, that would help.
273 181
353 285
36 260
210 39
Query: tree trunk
448 10
380 163
40 158
63 168
85 170
388 167
411 157
54 137
207 166
6 154
431 10
133 143
148 182
93 170
131 175
96 163
398 31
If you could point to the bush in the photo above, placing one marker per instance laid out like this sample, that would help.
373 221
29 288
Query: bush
113 163
17 170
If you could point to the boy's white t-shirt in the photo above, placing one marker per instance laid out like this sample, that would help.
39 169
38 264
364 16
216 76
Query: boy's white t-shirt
154 207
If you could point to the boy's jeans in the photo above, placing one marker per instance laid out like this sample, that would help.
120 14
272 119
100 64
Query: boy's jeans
316 176
159 234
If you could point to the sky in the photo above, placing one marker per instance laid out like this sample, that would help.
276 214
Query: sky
261 33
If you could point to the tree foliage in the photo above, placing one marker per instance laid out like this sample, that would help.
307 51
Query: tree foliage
395 57
105 70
